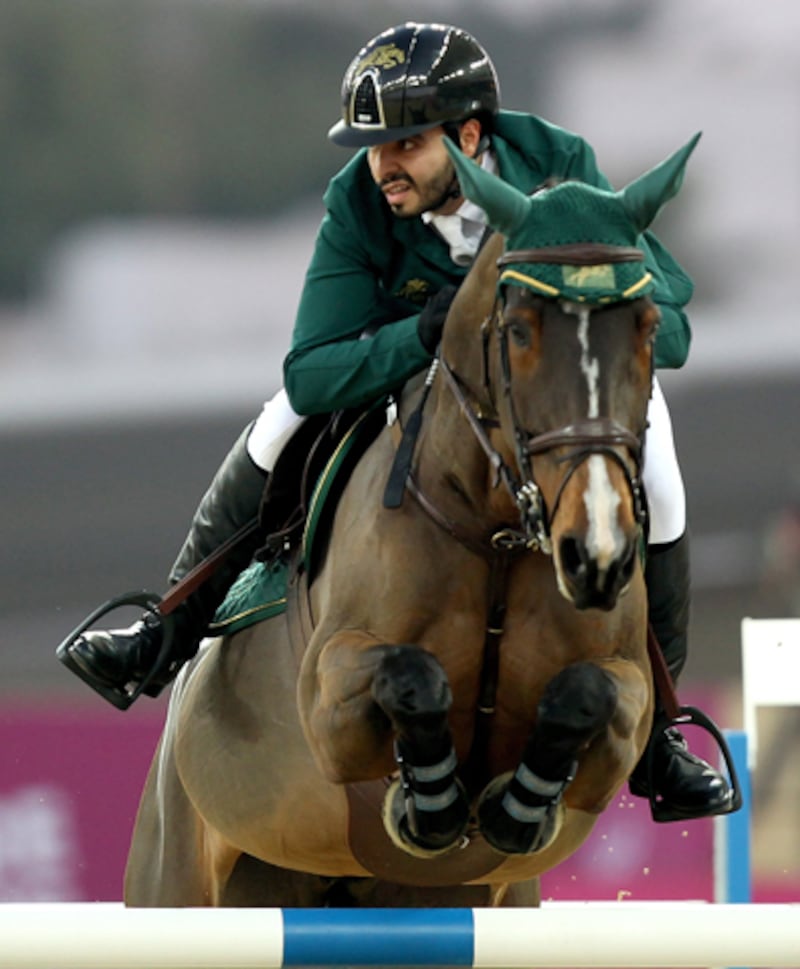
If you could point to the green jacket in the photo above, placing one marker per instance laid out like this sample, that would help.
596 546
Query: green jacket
370 268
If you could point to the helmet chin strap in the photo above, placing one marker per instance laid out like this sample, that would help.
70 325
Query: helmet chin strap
482 146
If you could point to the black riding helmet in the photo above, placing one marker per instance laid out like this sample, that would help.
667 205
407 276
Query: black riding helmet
413 77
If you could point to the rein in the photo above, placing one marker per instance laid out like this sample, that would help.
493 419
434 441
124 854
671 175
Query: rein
592 436
584 439
587 438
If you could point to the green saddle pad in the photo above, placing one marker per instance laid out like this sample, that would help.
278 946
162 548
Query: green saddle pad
260 591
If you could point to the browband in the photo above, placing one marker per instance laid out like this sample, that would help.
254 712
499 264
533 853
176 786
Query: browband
580 254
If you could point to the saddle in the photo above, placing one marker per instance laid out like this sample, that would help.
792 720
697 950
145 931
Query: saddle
297 511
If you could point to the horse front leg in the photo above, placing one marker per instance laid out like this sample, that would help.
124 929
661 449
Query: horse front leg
521 813
370 708
426 811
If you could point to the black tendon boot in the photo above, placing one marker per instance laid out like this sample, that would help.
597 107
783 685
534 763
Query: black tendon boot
116 662
687 785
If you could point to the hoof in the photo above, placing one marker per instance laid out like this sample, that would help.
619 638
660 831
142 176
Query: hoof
411 688
513 828
453 824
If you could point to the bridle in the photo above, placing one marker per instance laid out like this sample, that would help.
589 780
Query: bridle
593 436
586 438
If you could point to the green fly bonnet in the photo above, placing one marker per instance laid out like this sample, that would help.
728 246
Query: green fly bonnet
574 241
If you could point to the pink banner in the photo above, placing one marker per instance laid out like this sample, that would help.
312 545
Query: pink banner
70 779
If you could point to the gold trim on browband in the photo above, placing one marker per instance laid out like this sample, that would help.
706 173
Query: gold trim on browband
552 291
637 286
529 281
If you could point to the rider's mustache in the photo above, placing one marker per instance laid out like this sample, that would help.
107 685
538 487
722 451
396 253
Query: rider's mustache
395 179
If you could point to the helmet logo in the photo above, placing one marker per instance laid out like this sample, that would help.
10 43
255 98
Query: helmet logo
387 55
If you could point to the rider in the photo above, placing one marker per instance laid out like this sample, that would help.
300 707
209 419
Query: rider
396 240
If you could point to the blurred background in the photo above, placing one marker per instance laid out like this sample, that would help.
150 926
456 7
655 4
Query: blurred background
161 170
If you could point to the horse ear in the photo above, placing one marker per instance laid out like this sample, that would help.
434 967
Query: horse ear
506 207
644 196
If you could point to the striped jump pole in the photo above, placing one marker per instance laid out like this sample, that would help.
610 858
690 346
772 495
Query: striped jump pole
560 934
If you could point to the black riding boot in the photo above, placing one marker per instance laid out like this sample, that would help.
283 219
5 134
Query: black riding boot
685 783
116 662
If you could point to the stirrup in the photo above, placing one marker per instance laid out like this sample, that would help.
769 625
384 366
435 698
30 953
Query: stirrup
122 697
661 811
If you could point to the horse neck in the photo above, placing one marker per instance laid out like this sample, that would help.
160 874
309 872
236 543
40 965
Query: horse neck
452 465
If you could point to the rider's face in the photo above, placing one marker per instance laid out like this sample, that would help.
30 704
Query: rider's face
415 174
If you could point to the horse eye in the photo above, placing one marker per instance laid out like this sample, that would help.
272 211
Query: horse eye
520 333
649 322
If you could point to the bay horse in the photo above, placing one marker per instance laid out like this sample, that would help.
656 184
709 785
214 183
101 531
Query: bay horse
473 685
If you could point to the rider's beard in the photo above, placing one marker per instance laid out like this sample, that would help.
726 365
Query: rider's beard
432 194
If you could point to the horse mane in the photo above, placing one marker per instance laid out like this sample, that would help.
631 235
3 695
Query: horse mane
472 305
475 296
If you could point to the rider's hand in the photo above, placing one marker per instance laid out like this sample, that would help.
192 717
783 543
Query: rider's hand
431 319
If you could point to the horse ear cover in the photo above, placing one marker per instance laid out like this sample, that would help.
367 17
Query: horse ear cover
644 197
506 207
575 212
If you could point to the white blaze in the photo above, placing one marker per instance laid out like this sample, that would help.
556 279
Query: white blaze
589 365
604 539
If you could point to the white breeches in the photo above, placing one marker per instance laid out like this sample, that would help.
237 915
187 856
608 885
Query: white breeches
661 474
273 428
663 483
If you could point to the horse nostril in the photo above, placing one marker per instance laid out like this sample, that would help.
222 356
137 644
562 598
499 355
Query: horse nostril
573 557
628 563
